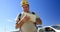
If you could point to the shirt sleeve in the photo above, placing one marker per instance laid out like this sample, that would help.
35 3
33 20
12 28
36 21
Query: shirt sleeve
18 16
35 15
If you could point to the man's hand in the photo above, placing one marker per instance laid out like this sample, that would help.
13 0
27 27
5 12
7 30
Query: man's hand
26 18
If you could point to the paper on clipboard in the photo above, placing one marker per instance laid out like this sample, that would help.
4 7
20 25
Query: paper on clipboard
32 17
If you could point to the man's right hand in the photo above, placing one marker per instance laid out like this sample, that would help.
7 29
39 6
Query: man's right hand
26 18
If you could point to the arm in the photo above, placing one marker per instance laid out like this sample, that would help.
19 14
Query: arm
38 21
19 25
21 22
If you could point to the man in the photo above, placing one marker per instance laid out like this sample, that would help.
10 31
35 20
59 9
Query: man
24 24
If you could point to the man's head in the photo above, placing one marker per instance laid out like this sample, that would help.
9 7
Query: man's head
25 5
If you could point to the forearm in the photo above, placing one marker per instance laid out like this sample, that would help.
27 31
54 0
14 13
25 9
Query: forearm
21 22
18 25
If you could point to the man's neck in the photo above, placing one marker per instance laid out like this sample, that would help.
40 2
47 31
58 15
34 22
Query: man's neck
26 11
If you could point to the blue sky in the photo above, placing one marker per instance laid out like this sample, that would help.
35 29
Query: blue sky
47 10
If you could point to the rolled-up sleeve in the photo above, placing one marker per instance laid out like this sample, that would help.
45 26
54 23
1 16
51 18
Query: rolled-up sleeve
18 17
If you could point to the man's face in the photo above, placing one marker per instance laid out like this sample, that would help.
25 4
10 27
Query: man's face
25 8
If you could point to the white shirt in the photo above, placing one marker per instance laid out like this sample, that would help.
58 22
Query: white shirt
28 26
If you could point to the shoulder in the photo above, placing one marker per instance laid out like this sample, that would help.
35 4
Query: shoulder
35 15
19 14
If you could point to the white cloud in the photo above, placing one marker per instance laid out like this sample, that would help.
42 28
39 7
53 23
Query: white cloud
13 24
11 20
7 31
